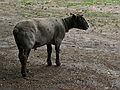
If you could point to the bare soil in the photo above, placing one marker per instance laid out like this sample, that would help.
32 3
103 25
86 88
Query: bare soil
90 59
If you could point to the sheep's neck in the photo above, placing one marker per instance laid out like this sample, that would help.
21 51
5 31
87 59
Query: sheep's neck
68 23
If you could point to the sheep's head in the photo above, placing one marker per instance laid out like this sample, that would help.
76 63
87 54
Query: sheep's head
80 22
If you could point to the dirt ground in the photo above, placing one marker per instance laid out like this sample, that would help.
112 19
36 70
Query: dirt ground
90 59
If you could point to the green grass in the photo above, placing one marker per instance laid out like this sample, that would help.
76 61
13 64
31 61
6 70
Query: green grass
99 14
27 2
99 2
30 12
93 2
70 3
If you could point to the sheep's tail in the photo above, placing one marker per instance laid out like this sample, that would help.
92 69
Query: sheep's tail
23 39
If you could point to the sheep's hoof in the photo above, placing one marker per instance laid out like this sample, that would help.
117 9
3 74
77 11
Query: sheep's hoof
24 75
49 64
27 70
58 63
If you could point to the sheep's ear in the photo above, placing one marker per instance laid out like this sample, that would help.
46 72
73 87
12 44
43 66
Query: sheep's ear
73 16
71 13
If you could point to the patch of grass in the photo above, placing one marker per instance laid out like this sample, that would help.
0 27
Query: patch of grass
92 2
98 14
99 2
27 2
71 3
28 11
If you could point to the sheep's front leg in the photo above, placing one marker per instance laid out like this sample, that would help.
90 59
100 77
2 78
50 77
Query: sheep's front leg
57 48
49 51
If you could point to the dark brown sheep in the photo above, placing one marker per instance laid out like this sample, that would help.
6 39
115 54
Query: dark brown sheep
34 33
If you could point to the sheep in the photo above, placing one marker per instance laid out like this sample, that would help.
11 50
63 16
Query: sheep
36 32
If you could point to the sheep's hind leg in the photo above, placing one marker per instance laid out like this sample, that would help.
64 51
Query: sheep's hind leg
23 56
